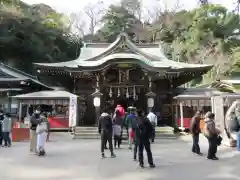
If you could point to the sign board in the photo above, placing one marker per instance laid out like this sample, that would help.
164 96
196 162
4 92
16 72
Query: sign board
72 111
218 110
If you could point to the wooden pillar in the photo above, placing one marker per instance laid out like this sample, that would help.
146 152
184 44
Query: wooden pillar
181 115
176 113
74 85
20 111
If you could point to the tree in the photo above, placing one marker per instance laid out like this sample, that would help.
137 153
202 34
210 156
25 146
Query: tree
208 34
33 34
94 14
116 20
78 25
134 7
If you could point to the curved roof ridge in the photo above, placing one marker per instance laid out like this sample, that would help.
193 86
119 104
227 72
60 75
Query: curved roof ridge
107 51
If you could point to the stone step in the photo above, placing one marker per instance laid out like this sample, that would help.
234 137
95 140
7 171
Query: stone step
78 128
92 133
124 138
124 132
97 136
158 129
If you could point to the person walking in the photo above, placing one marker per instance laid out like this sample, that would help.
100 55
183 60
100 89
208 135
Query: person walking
131 123
34 121
105 128
195 130
135 142
7 125
153 119
211 133
117 128
143 134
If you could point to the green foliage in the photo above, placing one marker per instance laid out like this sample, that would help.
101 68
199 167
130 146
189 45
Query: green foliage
34 34
116 20
208 34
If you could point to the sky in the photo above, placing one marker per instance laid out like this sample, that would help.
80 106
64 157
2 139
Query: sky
74 6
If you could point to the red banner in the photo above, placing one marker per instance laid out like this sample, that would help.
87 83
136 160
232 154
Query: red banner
58 122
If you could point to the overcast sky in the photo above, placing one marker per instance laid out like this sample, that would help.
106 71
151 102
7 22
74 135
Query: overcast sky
69 6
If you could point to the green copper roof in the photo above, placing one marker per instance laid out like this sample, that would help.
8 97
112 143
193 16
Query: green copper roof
122 50
10 74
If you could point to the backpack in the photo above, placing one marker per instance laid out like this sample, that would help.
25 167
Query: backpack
205 130
141 128
134 122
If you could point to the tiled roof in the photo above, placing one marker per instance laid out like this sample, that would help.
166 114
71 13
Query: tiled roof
8 73
148 54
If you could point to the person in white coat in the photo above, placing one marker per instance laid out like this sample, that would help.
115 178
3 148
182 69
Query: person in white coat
42 130
154 120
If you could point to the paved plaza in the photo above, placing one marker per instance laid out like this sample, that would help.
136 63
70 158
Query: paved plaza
80 160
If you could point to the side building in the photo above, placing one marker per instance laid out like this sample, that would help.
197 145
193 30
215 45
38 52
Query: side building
14 82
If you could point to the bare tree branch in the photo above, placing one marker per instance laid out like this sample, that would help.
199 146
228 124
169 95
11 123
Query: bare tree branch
78 24
94 13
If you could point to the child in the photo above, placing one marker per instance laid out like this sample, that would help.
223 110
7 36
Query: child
42 130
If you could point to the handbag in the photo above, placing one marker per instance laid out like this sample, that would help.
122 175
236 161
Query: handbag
219 140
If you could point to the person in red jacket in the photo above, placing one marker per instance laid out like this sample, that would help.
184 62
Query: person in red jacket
120 109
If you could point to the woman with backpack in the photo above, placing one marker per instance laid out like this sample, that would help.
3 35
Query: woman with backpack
212 134
117 128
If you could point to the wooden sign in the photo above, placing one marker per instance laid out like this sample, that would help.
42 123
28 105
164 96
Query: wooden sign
124 65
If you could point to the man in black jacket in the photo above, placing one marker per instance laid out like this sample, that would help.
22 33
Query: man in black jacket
195 130
105 128
143 133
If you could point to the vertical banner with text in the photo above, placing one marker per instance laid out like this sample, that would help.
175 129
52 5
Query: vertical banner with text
72 111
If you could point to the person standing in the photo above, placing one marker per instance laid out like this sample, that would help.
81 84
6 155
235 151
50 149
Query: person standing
195 130
117 128
1 121
105 128
153 119
121 110
211 133
34 121
131 123
41 131
6 130
143 134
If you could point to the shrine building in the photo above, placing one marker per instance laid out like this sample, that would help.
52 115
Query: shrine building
123 73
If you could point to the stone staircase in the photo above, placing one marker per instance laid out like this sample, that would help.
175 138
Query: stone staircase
92 133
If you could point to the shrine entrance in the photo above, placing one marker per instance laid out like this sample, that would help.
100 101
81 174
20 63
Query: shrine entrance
137 100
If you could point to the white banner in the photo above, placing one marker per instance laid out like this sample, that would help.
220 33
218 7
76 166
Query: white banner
218 109
72 111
